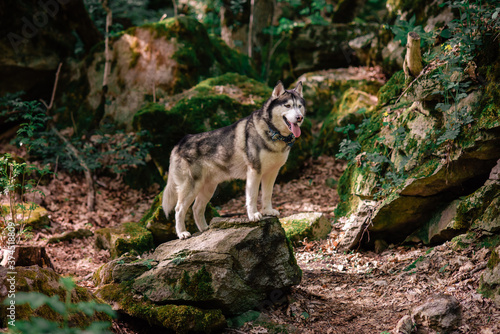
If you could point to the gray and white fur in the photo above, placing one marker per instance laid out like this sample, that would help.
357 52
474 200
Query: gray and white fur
254 148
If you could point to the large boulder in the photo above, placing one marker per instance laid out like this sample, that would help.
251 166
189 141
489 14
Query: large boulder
150 62
323 90
36 37
420 165
233 267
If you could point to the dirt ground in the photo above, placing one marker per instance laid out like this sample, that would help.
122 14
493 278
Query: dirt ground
359 292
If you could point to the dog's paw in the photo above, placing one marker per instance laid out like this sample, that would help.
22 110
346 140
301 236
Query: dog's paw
271 212
255 216
184 235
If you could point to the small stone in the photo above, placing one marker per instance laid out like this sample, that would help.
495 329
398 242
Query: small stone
128 237
404 326
442 313
310 225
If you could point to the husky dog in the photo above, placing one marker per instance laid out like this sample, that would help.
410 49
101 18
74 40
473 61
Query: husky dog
254 148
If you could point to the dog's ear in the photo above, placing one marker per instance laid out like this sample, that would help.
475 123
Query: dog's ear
278 90
298 88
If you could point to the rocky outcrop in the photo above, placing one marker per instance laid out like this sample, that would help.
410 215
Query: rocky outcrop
36 37
441 313
490 280
128 237
150 62
234 266
418 174
308 225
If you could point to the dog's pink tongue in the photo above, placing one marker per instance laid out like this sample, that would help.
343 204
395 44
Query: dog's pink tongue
296 130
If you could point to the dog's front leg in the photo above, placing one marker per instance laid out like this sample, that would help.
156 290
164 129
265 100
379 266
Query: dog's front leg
268 180
252 192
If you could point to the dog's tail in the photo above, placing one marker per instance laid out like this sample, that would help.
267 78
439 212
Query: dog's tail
169 196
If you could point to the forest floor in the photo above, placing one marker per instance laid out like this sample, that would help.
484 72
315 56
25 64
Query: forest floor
353 292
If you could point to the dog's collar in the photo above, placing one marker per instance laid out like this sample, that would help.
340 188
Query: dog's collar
275 135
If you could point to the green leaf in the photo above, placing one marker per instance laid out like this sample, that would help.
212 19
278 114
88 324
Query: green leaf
67 283
445 33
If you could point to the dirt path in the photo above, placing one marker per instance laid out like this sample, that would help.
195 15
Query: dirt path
369 293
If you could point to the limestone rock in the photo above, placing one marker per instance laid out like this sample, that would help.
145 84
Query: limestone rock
154 60
174 318
314 46
442 313
355 224
323 90
234 266
128 237
310 225
490 280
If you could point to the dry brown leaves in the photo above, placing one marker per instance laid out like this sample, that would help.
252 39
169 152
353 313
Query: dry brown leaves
314 191
66 199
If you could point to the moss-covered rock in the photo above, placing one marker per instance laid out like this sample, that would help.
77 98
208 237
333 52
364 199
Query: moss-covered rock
352 109
320 47
45 281
312 225
149 62
229 269
421 174
29 215
490 280
177 318
323 90
129 237
163 228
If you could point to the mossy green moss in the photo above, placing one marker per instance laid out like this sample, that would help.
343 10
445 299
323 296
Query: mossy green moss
179 318
45 281
198 286
126 238
392 89
294 229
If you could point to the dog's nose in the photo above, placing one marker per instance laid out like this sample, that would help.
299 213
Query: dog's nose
300 118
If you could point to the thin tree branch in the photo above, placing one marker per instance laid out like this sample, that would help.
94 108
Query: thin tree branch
53 90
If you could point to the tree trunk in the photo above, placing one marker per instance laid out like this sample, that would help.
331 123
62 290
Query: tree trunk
413 59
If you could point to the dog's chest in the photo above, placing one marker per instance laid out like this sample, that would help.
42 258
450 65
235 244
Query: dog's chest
273 160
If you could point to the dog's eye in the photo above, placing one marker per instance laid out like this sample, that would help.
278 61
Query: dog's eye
287 106
300 106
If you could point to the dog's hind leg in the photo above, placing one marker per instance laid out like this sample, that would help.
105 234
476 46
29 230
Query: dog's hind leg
252 192
200 204
268 180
